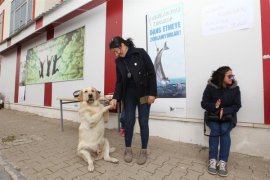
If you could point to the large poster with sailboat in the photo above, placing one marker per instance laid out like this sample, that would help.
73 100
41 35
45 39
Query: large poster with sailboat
165 45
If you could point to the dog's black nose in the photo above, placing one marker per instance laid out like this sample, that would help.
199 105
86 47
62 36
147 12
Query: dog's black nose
90 95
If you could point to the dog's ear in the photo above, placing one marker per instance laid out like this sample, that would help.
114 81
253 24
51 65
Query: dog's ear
80 97
97 94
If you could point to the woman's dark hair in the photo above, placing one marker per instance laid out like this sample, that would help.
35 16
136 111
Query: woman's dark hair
219 74
117 40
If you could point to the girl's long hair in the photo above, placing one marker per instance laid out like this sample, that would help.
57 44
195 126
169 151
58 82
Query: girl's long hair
219 74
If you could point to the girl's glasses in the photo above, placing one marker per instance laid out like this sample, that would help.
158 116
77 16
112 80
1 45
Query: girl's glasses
231 76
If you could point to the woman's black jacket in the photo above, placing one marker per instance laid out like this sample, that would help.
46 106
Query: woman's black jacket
142 69
230 99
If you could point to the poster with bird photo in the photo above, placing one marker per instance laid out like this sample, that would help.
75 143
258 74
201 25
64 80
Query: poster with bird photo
165 45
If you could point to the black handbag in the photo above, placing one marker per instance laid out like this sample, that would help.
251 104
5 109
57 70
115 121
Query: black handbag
211 116
214 117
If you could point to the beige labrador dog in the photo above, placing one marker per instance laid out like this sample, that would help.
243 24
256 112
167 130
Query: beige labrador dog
92 143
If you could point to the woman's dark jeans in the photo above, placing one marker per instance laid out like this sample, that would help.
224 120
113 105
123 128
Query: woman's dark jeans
224 130
130 104
122 119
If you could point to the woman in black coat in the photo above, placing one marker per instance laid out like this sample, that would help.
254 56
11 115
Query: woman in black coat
221 97
136 86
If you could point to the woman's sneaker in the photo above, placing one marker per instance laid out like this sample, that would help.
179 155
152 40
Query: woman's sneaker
222 168
212 166
121 132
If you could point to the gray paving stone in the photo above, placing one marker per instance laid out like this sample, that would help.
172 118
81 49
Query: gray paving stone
42 151
3 174
175 175
89 175
151 168
166 168
192 174
159 175
141 174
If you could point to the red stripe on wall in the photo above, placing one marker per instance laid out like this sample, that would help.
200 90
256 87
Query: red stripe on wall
3 23
48 86
265 15
17 76
50 34
48 94
266 82
114 16
34 9
39 23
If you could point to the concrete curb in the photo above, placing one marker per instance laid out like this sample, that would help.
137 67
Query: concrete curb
9 171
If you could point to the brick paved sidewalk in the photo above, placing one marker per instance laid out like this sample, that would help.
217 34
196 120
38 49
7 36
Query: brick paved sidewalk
37 149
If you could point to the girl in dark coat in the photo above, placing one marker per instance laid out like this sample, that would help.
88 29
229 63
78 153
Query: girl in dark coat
136 86
222 97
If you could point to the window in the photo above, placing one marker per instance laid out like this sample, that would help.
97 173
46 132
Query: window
21 14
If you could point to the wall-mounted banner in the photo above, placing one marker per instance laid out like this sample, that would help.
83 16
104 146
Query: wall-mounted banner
165 45
59 59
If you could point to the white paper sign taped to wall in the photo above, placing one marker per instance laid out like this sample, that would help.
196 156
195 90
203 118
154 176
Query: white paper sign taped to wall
227 16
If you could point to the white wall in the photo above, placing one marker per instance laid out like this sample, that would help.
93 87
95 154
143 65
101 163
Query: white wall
40 7
50 4
8 73
94 58
239 49
134 14
94 53
203 55
35 92
242 50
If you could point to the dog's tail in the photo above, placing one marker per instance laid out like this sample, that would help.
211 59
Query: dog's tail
112 149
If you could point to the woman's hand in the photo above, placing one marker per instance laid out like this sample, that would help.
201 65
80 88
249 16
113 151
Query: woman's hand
151 99
113 103
218 103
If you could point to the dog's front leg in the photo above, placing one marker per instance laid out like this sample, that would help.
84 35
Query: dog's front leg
87 157
98 116
94 119
106 113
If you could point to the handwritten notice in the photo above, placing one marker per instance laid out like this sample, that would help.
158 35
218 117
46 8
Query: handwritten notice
227 16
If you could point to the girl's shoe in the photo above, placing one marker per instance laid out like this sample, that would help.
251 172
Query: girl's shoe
222 168
212 166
